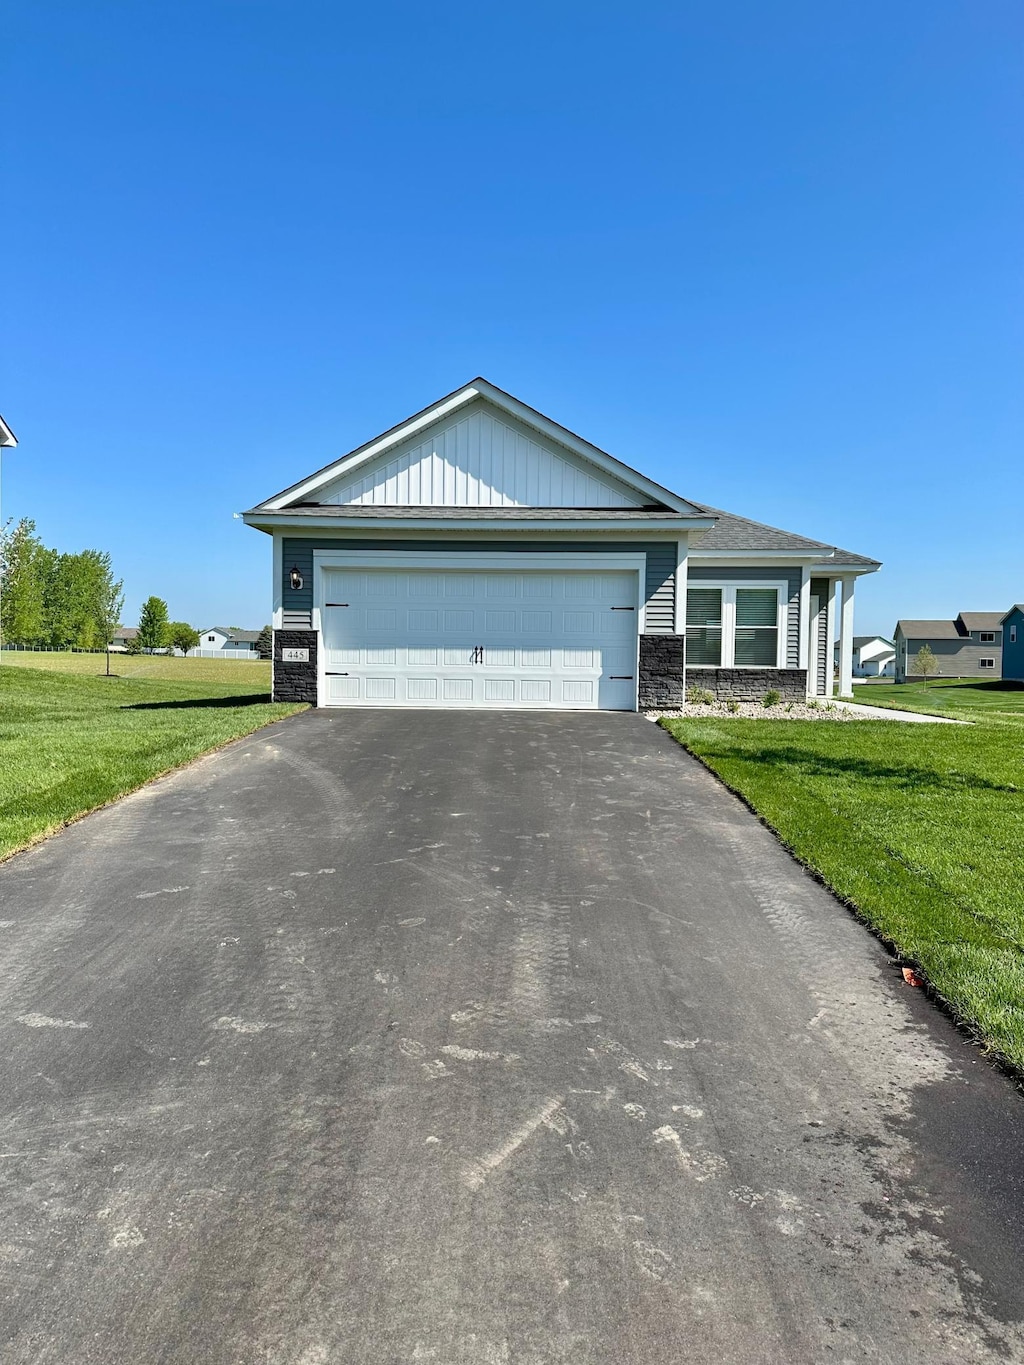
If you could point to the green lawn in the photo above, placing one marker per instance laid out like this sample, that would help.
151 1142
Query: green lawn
243 675
72 740
962 700
921 827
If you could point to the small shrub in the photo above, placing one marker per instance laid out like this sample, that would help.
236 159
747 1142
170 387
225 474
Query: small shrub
789 706
813 704
732 706
700 696
771 698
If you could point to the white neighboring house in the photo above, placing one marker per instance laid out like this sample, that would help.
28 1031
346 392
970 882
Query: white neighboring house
873 657
119 642
225 640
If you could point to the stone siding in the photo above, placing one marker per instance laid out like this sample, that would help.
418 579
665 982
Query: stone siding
750 684
295 682
661 681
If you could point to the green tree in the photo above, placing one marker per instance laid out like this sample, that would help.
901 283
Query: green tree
265 643
22 620
182 636
153 624
108 607
132 645
925 662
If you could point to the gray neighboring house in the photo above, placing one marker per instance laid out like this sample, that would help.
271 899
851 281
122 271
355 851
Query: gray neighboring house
970 646
481 555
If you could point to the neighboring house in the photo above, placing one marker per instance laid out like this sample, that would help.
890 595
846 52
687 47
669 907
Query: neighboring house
1013 643
968 647
479 554
122 635
227 639
873 656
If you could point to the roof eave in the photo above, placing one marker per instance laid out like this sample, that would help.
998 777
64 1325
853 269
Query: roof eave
7 436
271 521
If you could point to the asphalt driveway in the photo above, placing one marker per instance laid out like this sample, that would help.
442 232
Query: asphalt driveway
480 1039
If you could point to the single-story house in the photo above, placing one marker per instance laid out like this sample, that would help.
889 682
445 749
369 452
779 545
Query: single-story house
873 656
1013 643
121 636
480 554
227 639
968 647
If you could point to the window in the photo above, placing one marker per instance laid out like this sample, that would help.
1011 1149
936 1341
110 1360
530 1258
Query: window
741 627
1013 635
704 626
986 663
987 637
757 628
212 639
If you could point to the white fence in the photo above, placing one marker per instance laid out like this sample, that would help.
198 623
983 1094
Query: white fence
249 654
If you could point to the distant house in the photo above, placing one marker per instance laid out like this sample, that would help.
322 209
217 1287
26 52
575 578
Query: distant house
1013 643
119 642
873 656
971 646
227 640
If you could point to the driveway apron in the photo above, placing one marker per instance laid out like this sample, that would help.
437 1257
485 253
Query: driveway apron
480 1039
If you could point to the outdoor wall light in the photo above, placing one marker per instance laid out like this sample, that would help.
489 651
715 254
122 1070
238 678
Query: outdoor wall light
296 579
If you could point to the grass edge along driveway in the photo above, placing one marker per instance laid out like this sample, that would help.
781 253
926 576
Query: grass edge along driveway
919 828
71 743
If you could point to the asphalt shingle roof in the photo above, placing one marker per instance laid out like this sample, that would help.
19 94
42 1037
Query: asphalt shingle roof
981 620
929 630
740 533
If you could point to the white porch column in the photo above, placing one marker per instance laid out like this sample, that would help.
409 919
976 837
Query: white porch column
679 605
806 644
830 632
846 639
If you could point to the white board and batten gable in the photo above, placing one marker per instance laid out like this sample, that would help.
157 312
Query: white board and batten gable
480 459
479 448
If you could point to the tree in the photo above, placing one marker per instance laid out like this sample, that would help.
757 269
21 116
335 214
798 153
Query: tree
925 662
108 605
21 584
180 635
153 624
132 645
265 643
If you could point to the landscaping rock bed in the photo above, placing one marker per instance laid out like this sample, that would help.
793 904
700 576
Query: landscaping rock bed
755 710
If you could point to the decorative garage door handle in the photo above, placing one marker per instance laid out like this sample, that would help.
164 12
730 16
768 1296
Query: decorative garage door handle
478 654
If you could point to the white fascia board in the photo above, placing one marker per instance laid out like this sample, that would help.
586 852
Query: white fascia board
818 559
7 436
504 401
594 454
271 521
353 459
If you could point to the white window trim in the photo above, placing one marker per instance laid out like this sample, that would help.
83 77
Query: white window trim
728 590
986 663
987 637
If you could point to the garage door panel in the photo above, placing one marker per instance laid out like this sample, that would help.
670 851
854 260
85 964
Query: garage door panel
502 639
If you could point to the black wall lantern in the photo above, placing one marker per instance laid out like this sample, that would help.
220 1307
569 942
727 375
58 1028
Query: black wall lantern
296 579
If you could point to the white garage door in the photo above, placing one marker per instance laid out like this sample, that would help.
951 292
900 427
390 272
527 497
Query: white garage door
530 640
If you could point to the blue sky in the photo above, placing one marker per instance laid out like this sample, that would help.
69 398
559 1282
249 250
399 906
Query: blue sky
768 253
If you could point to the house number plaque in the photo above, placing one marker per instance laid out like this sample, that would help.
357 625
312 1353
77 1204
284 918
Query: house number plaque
295 656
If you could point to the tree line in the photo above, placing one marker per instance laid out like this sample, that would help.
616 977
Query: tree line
73 601
49 598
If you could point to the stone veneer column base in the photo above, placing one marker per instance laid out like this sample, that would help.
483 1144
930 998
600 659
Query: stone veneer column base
662 680
295 681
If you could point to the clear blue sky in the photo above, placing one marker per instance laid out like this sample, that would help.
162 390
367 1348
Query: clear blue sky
769 253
